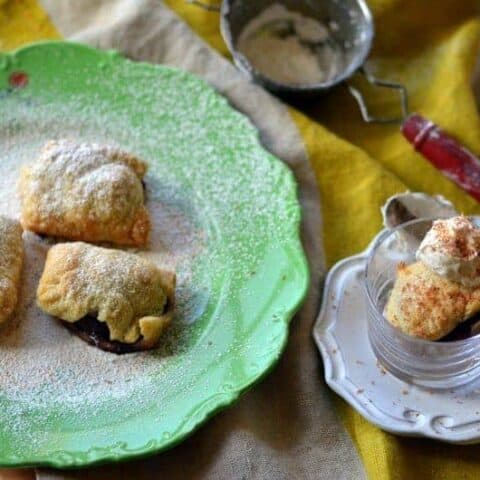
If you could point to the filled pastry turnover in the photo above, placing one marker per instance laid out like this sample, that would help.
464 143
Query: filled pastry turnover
11 260
423 304
115 300
87 192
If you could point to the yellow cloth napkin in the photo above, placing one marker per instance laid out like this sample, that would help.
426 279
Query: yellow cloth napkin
431 46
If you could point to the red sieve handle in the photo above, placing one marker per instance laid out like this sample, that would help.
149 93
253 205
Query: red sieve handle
443 151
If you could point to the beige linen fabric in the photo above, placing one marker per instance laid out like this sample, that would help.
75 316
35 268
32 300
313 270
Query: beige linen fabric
286 427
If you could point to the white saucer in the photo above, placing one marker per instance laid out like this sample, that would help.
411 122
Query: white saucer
352 370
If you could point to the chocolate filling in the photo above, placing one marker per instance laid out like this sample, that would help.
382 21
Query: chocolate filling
96 333
466 329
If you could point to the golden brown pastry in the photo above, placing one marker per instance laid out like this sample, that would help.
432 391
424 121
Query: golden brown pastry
93 288
85 192
11 260
426 305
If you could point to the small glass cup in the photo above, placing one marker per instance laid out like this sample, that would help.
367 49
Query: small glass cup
421 362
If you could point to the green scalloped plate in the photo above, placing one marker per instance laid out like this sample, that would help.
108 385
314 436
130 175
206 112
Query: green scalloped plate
238 291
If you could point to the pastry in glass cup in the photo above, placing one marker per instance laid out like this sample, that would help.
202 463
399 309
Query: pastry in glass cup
432 296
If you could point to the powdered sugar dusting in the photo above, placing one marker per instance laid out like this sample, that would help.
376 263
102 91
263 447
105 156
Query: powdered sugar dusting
70 181
41 359
221 213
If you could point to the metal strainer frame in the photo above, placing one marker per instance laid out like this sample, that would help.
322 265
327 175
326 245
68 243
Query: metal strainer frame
357 65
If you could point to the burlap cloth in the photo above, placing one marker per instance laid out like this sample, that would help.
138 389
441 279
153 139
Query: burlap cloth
286 427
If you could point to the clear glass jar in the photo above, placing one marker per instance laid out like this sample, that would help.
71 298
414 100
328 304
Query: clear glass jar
421 362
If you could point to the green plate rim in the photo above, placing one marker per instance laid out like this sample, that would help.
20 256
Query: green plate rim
118 452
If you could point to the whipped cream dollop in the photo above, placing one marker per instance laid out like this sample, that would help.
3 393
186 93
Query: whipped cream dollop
451 248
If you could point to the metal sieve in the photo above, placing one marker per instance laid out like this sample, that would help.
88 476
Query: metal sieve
353 33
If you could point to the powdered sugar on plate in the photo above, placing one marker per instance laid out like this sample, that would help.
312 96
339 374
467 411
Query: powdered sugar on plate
225 216
39 358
